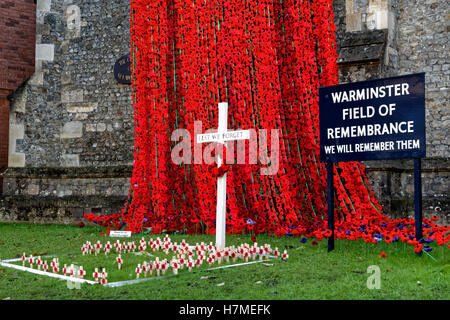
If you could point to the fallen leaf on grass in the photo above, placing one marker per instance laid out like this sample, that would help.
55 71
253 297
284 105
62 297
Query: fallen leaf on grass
220 284
258 282
208 277
268 264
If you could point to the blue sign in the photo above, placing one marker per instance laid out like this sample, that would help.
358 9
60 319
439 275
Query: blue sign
373 120
122 70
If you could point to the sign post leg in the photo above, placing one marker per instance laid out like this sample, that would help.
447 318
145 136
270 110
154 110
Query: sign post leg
418 199
330 203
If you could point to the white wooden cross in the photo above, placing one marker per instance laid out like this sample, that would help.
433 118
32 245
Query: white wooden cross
222 136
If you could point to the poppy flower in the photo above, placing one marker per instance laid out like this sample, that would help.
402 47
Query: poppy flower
418 248
328 233
253 238
314 243
81 224
382 255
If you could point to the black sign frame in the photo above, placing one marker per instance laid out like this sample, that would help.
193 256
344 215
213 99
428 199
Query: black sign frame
415 102
339 130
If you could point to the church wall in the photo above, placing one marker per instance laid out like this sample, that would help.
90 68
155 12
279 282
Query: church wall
72 122
72 125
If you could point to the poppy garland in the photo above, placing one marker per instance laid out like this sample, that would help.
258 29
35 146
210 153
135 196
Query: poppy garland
267 59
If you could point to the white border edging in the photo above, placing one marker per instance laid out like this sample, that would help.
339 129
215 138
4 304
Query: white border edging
43 273
111 284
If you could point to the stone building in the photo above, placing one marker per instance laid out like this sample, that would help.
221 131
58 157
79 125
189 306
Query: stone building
70 145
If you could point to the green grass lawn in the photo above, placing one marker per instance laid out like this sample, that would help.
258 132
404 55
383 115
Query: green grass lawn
309 273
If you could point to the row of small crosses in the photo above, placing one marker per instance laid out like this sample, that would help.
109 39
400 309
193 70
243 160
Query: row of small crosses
72 270
167 246
89 248
243 252
54 264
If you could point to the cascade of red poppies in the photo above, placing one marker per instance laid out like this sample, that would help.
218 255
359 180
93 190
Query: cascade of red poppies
267 59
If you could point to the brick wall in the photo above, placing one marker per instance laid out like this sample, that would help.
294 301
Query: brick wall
17 42
73 112
17 54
